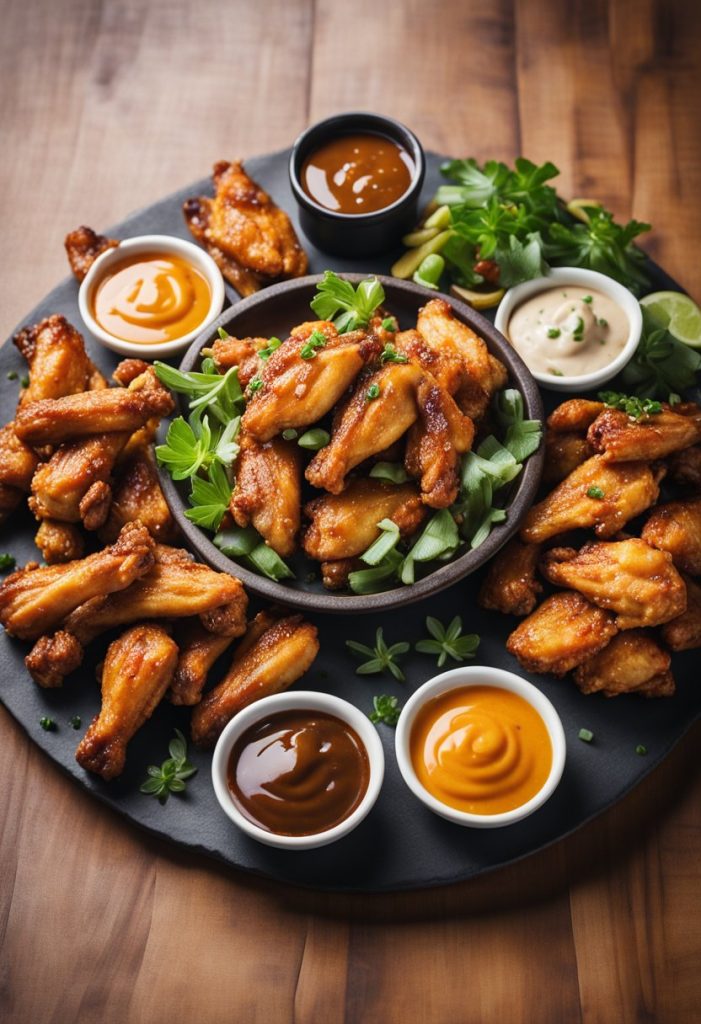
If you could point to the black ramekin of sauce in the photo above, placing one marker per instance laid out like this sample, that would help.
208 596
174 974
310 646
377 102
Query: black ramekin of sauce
357 178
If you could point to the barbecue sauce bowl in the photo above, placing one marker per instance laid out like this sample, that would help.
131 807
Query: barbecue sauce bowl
354 228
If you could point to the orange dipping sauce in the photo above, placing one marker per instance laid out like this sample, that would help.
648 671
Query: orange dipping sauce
357 173
481 749
151 297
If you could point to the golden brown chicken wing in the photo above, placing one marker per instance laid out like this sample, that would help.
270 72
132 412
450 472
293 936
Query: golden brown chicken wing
268 491
110 410
676 527
59 542
198 213
137 494
299 389
344 525
83 246
444 363
136 673
275 654
575 415
685 467
560 634
511 586
563 453
435 443
199 649
684 632
627 577
365 425
597 494
52 658
73 485
633 662
241 352
34 601
334 575
17 465
58 362
623 439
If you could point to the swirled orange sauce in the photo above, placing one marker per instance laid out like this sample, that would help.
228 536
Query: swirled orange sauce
151 297
481 749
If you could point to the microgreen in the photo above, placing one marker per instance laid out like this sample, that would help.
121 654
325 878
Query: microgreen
387 710
448 642
346 306
381 658
172 774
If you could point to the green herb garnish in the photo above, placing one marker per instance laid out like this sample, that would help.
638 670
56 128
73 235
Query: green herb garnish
429 271
12 375
346 306
172 774
210 498
554 332
586 735
75 722
386 710
381 657
224 335
314 439
372 392
389 354
578 332
255 384
389 324
587 298
315 341
393 472
246 544
595 492
47 724
272 346
660 365
636 408
386 542
448 642
290 434
24 382
602 322
640 749
7 562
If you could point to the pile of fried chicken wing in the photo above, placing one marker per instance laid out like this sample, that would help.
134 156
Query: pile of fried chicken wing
80 452
412 396
626 601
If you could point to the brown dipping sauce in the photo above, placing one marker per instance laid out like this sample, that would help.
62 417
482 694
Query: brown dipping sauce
359 173
298 773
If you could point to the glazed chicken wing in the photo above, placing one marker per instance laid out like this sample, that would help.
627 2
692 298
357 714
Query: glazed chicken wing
627 577
198 214
199 649
444 363
73 485
511 586
17 465
297 389
365 426
435 443
241 352
58 362
334 574
137 494
676 527
560 634
633 662
345 525
575 415
563 453
273 657
268 492
136 673
623 439
34 601
597 494
59 542
83 246
52 658
685 467
684 632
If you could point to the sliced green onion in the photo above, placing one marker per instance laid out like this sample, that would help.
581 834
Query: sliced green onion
372 393
586 735
369 581
440 535
314 439
394 472
386 542
290 434
640 749
595 492
237 541
270 564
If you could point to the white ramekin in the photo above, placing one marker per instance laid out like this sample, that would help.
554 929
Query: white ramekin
301 700
579 277
479 675
150 243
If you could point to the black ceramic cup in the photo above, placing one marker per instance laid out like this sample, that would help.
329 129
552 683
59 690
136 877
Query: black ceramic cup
356 234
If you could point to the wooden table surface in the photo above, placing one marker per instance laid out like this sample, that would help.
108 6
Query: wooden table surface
108 105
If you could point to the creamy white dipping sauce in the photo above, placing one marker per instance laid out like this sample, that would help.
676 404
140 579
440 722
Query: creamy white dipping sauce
568 331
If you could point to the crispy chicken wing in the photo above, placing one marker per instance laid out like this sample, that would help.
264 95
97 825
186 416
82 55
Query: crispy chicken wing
344 525
59 542
268 491
575 415
363 426
623 439
298 391
560 634
684 632
136 673
34 601
563 453
444 363
73 485
198 213
597 494
17 465
58 362
676 527
483 374
52 658
631 663
511 586
275 655
334 575
199 649
241 352
110 410
435 443
685 467
176 587
83 246
627 577
137 494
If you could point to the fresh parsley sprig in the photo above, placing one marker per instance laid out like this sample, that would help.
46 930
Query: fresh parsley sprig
448 642
348 307
172 774
381 658
386 709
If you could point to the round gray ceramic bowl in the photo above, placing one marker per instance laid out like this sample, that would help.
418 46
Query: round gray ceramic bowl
272 313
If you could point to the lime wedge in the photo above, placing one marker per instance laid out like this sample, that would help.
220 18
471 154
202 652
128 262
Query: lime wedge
677 313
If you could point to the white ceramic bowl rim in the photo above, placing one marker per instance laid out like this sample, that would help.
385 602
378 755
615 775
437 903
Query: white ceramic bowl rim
143 243
480 675
583 277
298 700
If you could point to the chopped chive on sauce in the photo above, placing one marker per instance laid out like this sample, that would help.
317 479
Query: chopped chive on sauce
75 722
586 735
640 749
595 492
373 392
47 724
554 332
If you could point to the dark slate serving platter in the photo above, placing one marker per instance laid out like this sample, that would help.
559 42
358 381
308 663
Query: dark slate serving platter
401 845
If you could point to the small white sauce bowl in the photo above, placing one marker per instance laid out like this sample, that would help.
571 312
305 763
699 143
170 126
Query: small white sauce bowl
301 700
578 277
479 675
168 244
